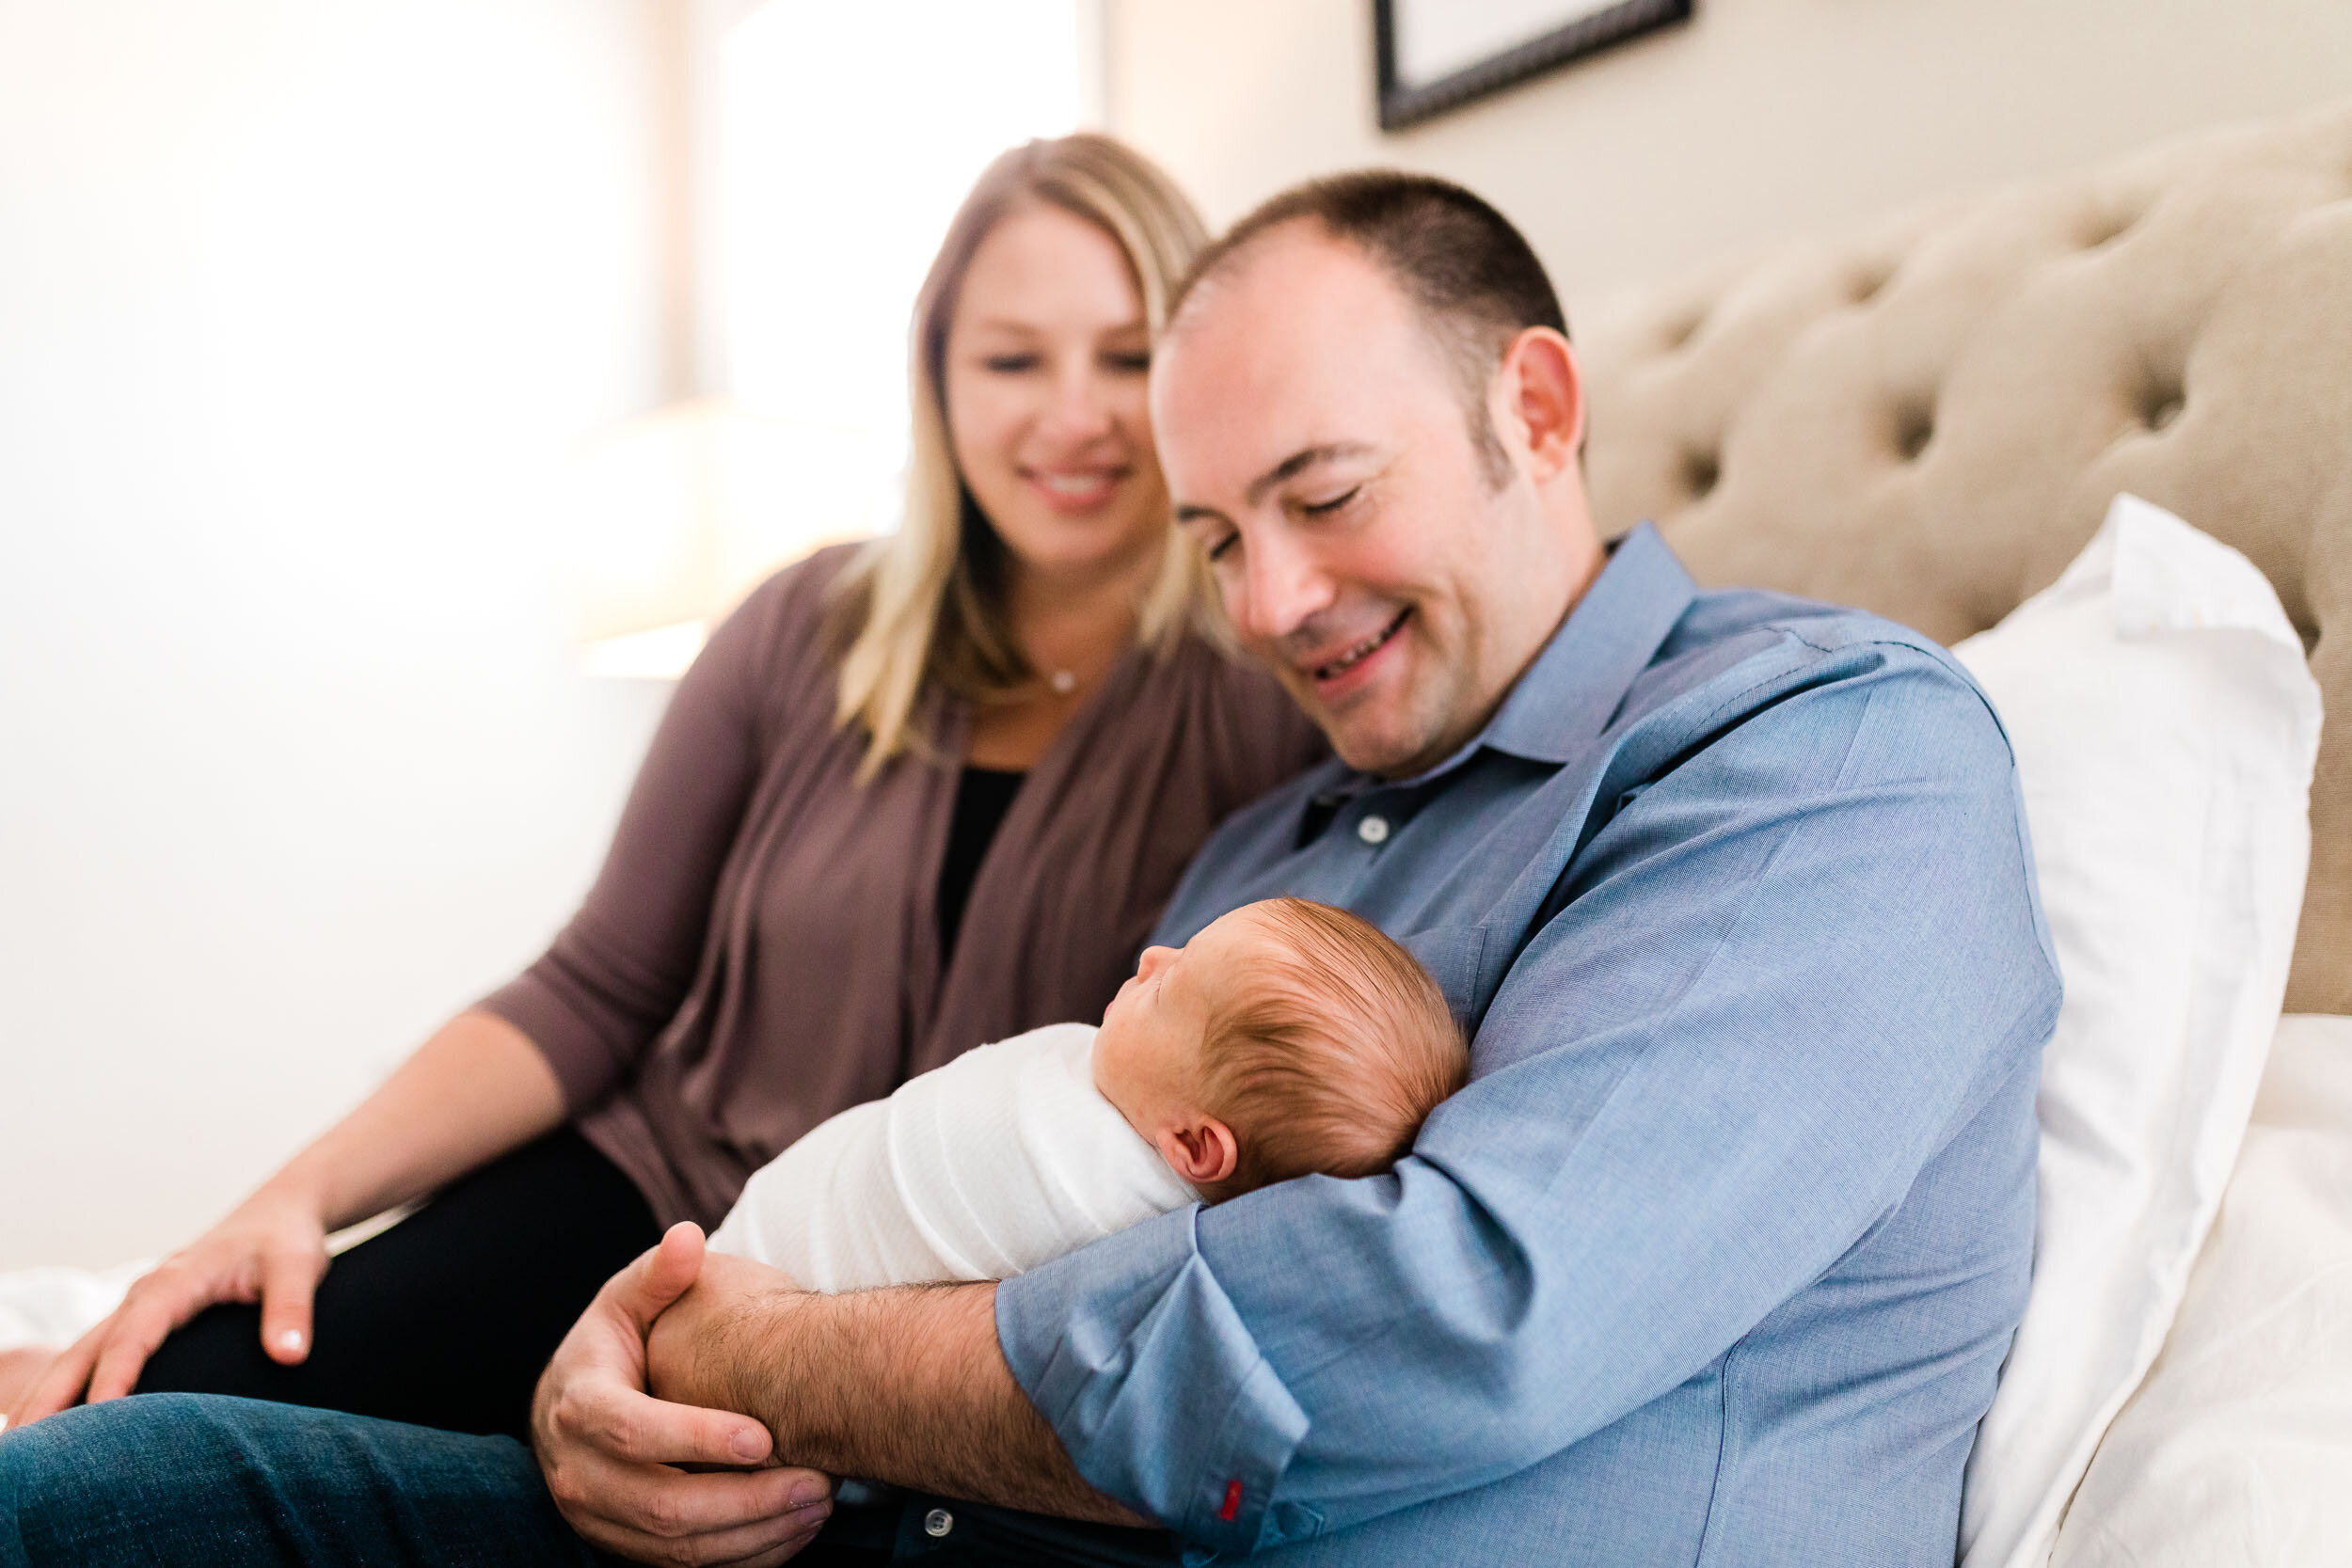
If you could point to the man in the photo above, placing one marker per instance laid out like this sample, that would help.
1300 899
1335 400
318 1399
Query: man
1717 1257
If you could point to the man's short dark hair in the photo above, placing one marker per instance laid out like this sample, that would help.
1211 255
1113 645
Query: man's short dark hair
1474 278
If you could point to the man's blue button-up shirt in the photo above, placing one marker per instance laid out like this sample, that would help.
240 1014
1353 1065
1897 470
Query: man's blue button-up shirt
1716 1257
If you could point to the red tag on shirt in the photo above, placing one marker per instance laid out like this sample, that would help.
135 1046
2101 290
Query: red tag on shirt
1233 1502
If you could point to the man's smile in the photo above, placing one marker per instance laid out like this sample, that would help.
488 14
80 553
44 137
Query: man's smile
1333 671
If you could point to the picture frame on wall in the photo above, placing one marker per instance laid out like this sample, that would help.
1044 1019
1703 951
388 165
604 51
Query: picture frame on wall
1438 55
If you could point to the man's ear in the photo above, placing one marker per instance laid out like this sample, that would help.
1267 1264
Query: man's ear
1202 1152
1543 390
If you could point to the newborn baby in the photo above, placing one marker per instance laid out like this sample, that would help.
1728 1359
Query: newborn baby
1285 1039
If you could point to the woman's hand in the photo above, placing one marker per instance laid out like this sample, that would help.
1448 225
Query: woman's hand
271 1249
20 1370
475 1090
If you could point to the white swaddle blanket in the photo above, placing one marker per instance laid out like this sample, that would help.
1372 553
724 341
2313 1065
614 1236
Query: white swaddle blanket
1005 1158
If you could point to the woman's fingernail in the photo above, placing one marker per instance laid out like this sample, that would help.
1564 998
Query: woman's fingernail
291 1339
748 1445
808 1494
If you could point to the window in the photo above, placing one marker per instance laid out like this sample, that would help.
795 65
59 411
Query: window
848 134
852 133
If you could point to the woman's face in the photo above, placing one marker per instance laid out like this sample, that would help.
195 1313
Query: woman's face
1046 360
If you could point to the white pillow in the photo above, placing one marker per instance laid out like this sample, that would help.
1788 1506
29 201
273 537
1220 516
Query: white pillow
2238 1447
2165 726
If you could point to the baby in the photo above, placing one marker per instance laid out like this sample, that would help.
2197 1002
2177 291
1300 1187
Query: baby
1287 1038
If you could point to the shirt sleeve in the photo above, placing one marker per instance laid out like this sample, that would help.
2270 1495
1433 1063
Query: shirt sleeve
615 975
1790 964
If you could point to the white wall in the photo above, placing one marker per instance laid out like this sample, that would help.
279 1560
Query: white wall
1757 121
303 305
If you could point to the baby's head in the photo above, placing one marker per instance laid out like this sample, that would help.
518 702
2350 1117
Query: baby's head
1287 1038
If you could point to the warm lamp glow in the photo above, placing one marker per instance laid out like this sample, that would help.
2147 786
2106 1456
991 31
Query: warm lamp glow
681 513
662 654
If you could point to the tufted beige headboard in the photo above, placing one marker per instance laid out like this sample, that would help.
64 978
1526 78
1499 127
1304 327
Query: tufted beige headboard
1929 419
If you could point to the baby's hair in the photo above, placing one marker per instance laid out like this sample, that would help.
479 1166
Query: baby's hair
1328 1053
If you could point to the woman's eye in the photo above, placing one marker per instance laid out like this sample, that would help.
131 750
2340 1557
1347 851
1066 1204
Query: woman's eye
1325 508
1129 364
1217 550
1010 364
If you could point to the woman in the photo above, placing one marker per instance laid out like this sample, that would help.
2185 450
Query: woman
911 797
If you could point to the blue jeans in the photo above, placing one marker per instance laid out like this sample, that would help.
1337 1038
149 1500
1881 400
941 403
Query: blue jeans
216 1481
221 1482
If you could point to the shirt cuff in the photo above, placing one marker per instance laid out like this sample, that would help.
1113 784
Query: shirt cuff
1134 1354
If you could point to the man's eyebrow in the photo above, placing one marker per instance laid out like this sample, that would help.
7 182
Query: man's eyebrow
1299 462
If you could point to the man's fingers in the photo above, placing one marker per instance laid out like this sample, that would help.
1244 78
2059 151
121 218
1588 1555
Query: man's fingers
777 1538
634 1425
659 1277
289 1280
652 1503
764 1543
783 1553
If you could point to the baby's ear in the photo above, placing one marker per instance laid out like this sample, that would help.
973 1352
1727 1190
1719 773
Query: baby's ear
1202 1152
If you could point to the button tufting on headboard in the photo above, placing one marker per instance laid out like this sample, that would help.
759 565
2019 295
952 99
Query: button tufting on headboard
2160 406
1682 328
2105 226
1915 427
1929 420
1700 470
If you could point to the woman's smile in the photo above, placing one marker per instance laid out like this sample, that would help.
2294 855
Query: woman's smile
1076 492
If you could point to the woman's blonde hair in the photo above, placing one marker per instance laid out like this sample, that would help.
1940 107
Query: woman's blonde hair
925 606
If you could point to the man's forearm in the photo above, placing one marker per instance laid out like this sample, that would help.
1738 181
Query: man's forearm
906 1385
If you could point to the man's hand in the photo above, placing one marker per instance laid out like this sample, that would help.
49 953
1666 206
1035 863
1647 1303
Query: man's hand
607 1447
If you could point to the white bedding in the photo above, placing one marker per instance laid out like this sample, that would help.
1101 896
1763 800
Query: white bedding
2164 724
56 1307
2237 1449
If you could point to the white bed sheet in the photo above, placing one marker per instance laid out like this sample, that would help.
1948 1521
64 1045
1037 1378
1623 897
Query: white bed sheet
2237 1447
56 1307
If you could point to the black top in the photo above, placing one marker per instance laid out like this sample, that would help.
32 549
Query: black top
982 800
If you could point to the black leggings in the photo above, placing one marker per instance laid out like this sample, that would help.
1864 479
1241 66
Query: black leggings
447 1318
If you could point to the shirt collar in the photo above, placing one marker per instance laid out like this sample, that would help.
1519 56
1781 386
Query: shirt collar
1568 695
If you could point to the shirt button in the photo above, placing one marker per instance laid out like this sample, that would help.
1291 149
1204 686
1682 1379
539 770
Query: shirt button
1372 830
938 1522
